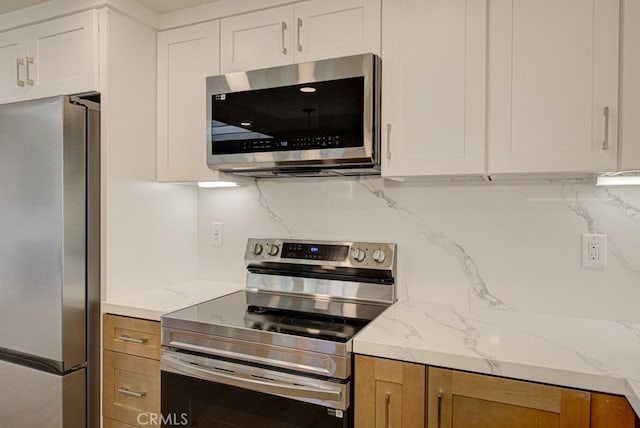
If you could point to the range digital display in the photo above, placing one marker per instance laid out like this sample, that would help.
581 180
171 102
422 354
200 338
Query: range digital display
337 253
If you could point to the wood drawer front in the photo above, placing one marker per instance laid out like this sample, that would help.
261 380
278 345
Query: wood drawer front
112 423
136 375
132 336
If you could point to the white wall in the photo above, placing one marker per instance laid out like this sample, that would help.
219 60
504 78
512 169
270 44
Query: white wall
500 245
150 228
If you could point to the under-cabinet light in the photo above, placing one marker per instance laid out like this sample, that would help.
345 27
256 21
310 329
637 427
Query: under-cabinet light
618 181
217 184
623 178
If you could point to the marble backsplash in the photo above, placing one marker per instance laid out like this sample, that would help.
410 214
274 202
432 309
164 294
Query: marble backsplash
505 246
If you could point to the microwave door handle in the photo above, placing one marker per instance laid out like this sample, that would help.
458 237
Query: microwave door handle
195 370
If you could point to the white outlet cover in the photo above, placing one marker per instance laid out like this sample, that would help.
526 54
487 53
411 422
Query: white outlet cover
217 233
594 250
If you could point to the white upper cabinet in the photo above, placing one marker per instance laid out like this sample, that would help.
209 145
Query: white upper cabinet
434 87
630 115
553 86
13 53
335 28
302 32
186 56
256 40
65 55
54 57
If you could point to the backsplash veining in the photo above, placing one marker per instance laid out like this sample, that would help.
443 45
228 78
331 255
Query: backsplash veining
502 246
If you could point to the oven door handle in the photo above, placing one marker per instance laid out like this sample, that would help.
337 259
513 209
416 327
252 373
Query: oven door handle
298 391
250 358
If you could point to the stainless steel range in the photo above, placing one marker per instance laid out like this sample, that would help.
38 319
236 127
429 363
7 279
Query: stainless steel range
277 353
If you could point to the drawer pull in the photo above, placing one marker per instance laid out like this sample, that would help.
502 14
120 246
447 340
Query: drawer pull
126 338
127 391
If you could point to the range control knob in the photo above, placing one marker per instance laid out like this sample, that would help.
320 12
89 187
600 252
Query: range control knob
358 254
273 250
256 249
378 256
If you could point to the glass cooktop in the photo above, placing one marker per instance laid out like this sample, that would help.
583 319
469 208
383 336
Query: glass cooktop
272 313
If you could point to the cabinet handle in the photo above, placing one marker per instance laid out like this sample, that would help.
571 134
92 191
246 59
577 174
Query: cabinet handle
299 31
132 339
387 402
605 143
19 62
439 409
127 391
388 141
30 60
284 28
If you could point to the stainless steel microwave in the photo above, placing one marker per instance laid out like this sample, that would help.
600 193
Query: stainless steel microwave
316 118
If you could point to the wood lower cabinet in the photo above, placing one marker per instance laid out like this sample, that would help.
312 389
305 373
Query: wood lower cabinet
131 372
612 411
389 393
459 399
396 394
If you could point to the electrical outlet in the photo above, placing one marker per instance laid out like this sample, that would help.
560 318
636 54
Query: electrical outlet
594 250
217 229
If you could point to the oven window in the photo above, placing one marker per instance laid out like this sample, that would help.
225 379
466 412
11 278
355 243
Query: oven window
191 402
320 115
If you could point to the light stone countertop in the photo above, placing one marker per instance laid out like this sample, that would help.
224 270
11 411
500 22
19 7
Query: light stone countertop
154 303
580 353
633 394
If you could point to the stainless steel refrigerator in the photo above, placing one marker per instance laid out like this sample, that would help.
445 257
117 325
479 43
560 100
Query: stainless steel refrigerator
49 263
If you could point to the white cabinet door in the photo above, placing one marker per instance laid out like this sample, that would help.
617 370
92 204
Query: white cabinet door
553 70
630 115
13 51
307 31
433 100
186 56
257 40
65 55
335 28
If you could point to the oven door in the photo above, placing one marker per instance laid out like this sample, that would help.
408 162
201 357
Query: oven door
205 392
